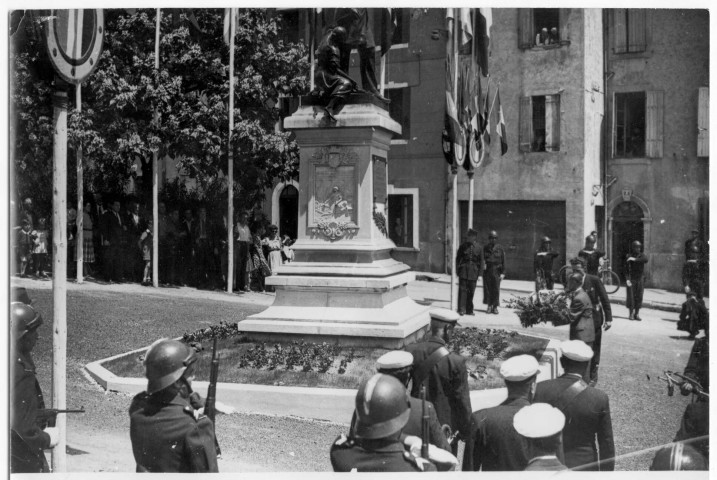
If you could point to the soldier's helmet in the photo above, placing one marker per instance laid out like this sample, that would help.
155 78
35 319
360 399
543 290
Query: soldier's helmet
24 319
695 249
493 234
636 243
382 407
166 362
546 239
679 457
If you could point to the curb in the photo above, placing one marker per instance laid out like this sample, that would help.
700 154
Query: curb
328 404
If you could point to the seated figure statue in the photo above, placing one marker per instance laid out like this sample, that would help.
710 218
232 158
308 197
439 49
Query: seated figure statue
332 84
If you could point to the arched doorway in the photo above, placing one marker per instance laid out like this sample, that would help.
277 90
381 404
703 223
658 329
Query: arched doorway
289 211
627 226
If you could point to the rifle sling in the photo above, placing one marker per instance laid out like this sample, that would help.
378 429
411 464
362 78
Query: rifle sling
427 365
568 395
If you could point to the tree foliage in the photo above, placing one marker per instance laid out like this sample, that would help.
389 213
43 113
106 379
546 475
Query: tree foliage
130 109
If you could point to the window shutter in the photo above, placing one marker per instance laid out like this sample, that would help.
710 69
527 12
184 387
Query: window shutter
552 123
526 35
619 29
636 35
526 123
654 116
703 122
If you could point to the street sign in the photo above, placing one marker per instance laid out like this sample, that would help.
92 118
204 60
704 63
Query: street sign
74 42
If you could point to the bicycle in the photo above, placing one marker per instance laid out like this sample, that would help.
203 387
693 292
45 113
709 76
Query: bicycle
609 279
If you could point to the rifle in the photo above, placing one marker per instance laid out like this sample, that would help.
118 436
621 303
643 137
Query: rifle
48 416
424 424
674 378
210 406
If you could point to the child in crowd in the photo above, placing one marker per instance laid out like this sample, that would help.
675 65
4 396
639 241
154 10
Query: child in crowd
41 248
145 245
25 244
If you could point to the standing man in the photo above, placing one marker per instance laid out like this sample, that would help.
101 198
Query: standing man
241 252
98 218
692 275
635 268
591 255
135 226
444 374
541 426
587 437
203 270
543 265
468 267
167 431
494 445
693 241
581 311
494 272
602 313
28 440
186 245
113 234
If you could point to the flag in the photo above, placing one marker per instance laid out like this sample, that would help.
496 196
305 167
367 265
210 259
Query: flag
227 17
483 22
389 22
485 127
500 128
475 145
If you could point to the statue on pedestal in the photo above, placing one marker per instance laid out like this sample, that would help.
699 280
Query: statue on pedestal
332 83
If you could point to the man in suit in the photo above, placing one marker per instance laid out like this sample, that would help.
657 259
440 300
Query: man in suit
602 312
203 241
494 272
543 265
540 425
187 247
468 267
494 444
635 268
98 218
586 409
581 311
113 235
135 226
444 374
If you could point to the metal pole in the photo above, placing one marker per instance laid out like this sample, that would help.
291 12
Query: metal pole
59 270
80 236
312 47
155 174
471 187
454 171
230 159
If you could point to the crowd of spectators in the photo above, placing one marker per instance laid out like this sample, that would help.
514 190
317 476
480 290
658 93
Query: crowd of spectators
117 243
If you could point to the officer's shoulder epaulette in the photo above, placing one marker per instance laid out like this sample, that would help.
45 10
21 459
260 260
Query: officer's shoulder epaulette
192 412
343 442
419 462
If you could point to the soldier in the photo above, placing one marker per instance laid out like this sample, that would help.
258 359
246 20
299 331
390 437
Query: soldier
543 265
494 272
693 241
586 409
591 255
382 410
398 364
168 432
679 456
28 440
581 311
468 267
602 313
494 444
635 268
541 425
693 315
444 374
692 275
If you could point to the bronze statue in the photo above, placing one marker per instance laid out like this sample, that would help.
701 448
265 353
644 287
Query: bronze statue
331 83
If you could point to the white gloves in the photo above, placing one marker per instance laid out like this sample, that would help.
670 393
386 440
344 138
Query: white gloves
54 434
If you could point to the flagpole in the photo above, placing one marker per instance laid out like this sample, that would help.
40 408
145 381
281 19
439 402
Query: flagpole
471 173
230 157
454 171
80 235
312 48
155 171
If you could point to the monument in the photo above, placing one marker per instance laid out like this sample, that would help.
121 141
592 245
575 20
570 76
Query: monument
343 284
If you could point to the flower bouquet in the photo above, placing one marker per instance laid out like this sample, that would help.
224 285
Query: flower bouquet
546 306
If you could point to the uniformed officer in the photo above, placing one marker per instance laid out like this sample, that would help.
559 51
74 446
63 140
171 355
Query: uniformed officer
693 315
635 267
692 275
494 444
693 241
679 456
494 272
586 409
444 374
168 432
382 410
541 425
543 265
591 255
398 364
468 267
602 312
27 439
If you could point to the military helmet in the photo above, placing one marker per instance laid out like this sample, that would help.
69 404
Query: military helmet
166 362
679 457
382 407
546 239
590 239
493 234
24 319
636 243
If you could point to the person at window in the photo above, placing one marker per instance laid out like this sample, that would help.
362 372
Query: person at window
554 39
635 142
542 37
539 143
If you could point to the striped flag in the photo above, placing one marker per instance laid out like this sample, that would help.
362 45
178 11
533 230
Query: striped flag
500 128
484 20
227 17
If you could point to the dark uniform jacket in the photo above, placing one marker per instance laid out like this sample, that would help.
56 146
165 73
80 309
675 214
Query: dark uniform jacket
636 268
581 317
698 365
546 464
587 416
170 436
392 456
599 300
26 401
447 384
592 260
468 261
494 258
696 419
544 262
494 444
112 228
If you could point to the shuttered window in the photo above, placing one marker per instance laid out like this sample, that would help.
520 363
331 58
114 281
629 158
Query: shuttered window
703 122
638 124
629 28
526 123
540 123
552 123
526 35
654 118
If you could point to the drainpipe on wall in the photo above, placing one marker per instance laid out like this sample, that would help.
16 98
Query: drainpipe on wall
605 133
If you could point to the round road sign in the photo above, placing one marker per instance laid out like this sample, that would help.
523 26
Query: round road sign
74 42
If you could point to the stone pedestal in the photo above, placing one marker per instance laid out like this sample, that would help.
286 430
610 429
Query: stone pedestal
343 284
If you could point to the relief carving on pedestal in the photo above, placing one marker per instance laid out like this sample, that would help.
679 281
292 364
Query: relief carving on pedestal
335 194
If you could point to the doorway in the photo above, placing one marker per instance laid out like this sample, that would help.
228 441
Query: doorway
627 227
289 212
